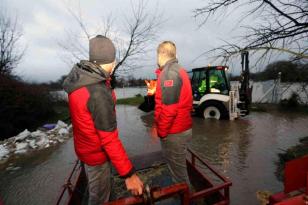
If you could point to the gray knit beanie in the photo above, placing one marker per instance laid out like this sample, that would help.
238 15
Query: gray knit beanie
101 50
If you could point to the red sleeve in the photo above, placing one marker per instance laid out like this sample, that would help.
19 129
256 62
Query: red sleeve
113 147
186 92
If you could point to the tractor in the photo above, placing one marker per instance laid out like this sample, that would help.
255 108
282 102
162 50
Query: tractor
213 95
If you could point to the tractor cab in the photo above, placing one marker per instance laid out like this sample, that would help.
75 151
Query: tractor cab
211 79
211 92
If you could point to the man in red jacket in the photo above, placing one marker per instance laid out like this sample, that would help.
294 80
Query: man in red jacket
173 106
92 110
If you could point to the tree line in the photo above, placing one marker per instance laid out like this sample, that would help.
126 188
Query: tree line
291 71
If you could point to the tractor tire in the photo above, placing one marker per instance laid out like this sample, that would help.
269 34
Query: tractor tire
214 110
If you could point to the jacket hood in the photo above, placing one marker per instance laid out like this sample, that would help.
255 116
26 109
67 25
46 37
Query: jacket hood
83 74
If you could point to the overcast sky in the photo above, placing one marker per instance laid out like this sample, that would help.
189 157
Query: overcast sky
45 23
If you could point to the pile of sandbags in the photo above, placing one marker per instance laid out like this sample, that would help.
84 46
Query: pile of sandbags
39 139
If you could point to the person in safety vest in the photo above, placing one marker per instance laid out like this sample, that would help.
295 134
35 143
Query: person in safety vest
202 87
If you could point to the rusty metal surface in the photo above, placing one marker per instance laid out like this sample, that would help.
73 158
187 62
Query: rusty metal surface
220 192
157 194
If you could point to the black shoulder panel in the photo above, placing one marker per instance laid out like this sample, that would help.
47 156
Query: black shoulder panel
102 107
171 84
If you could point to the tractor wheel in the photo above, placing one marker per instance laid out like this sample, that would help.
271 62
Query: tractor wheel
214 110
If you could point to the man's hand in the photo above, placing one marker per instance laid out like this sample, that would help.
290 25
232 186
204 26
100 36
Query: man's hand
153 131
134 184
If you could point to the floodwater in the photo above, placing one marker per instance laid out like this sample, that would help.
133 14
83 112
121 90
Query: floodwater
120 93
244 150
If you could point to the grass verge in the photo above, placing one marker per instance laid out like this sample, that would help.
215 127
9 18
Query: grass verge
137 100
294 152
267 107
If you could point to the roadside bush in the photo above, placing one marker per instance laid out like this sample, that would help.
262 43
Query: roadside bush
22 105
291 103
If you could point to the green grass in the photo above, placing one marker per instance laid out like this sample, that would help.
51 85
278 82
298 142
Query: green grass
267 107
298 109
137 100
61 112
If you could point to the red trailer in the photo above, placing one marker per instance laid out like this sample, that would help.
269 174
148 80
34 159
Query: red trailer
295 184
210 187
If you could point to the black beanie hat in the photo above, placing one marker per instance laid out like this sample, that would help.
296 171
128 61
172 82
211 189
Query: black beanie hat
101 50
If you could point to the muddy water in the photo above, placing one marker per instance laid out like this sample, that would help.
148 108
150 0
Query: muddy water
245 150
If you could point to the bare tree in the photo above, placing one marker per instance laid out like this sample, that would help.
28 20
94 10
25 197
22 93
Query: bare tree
140 30
280 26
10 52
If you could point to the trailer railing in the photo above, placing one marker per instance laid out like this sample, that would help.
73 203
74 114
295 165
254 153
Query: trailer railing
224 186
73 190
222 189
69 193
157 194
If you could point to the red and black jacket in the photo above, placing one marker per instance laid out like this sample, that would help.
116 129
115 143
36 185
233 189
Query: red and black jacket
173 100
92 110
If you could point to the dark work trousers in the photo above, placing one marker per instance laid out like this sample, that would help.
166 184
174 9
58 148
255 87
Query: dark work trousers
99 183
174 148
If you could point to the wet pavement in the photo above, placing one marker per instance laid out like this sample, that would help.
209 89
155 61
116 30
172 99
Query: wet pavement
244 150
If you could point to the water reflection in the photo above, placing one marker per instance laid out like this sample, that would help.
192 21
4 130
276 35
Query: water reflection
136 131
217 140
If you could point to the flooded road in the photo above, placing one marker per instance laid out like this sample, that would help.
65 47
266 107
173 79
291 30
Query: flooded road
244 150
